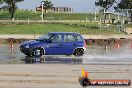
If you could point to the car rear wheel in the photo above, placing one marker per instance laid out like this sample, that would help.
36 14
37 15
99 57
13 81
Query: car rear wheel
37 52
78 52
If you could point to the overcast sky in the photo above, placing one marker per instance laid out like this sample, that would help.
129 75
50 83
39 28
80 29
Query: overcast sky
77 5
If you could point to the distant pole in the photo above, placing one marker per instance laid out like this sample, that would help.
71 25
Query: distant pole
118 16
109 17
104 15
28 20
90 15
127 14
100 19
42 11
58 9
35 11
95 15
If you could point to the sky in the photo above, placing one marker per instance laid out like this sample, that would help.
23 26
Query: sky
77 5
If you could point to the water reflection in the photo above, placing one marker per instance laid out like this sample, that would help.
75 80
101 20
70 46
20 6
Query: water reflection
53 60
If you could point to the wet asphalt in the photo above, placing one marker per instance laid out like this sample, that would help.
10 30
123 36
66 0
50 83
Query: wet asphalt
94 55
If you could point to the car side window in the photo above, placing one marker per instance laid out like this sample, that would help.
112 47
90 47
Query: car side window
79 38
69 38
56 38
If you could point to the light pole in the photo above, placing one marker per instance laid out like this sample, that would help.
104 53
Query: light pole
90 15
95 18
42 11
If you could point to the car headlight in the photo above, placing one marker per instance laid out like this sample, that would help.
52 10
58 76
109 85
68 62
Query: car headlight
27 46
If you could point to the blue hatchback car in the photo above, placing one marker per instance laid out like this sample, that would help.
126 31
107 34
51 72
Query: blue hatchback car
55 43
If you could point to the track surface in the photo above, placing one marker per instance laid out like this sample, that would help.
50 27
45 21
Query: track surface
19 71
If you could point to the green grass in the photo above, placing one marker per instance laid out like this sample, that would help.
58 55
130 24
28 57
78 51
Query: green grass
80 27
20 15
47 27
23 14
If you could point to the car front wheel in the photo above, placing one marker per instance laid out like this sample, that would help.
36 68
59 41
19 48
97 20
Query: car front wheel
37 52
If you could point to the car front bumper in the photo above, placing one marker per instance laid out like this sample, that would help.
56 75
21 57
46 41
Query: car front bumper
26 51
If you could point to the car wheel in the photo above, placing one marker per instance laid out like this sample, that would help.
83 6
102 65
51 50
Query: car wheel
37 52
78 52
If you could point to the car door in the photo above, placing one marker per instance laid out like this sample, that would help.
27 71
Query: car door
55 47
69 44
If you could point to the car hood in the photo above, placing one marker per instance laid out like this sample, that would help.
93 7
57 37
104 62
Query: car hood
33 42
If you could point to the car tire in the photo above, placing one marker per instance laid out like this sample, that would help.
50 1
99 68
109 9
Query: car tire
78 52
37 52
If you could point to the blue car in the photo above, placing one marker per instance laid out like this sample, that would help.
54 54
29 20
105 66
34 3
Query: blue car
55 43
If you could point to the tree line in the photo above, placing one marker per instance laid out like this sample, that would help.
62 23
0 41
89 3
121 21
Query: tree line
11 6
121 5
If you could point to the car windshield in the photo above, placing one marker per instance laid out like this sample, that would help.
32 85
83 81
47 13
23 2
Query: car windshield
44 37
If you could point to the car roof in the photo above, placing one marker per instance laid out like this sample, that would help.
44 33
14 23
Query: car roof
63 33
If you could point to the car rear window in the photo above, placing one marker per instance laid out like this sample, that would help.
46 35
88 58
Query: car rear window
69 38
79 38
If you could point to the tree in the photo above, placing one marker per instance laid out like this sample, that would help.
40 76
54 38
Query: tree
11 6
105 4
47 5
1 1
125 4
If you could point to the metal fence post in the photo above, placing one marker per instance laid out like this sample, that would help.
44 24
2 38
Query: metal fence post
28 20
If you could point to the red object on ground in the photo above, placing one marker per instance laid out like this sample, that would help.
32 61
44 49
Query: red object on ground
85 45
131 45
11 46
118 45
